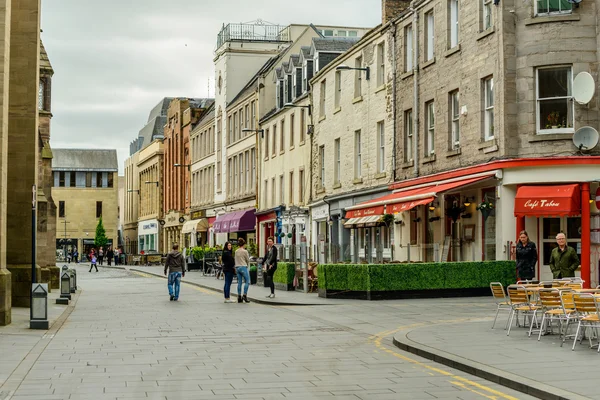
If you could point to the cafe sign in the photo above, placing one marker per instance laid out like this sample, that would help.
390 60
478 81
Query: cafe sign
365 212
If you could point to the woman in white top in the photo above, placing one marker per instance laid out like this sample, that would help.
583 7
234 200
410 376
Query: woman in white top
242 261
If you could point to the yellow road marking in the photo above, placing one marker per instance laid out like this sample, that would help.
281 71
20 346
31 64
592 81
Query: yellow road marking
463 382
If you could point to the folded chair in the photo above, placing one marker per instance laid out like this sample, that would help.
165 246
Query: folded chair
588 313
554 310
520 303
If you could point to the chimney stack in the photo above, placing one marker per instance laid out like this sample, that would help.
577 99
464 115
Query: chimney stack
392 8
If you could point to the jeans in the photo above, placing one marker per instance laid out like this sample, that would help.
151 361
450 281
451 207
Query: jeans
174 284
228 280
242 272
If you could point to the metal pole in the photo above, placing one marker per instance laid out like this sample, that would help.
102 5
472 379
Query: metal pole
33 277
303 262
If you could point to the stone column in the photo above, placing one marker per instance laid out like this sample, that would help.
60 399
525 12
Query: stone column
22 144
5 276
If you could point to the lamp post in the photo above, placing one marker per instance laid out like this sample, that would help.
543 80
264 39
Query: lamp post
344 67
39 306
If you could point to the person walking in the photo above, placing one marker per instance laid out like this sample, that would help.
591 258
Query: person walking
101 255
526 257
563 259
110 254
116 255
76 256
176 267
271 264
228 270
93 264
242 260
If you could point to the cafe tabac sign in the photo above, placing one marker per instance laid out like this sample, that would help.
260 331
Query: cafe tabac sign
173 218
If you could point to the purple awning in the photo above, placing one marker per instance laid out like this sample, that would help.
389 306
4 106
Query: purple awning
237 221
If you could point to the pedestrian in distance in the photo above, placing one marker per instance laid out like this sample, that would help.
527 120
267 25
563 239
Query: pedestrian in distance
101 255
563 259
93 263
76 256
228 270
110 255
526 257
271 264
116 255
176 267
242 260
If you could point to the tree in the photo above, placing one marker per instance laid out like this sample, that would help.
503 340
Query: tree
100 240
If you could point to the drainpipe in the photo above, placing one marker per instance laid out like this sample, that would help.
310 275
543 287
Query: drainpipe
394 111
415 28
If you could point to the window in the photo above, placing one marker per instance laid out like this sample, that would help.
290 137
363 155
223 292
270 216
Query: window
234 186
408 49
381 64
408 136
98 209
265 193
253 121
322 99
430 40
488 104
358 77
322 166
110 179
304 77
291 195
338 161
430 129
61 209
555 108
274 147
301 186
453 21
282 136
229 177
352 34
357 155
240 124
338 89
302 126
281 189
273 191
229 131
292 123
247 117
73 179
381 144
88 179
342 33
219 126
253 168
328 32
278 94
267 142
486 14
41 93
247 173
454 120
553 7
235 127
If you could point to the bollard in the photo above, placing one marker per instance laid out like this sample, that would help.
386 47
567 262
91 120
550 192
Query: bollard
71 281
39 306
65 289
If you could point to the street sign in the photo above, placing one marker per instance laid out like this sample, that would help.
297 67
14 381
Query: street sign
598 198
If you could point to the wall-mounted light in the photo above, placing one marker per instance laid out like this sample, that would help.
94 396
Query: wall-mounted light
468 201
343 67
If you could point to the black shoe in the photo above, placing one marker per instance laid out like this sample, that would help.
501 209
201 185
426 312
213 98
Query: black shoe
240 299
245 298
172 297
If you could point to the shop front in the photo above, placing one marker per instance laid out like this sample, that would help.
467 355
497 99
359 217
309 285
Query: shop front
319 215
171 227
148 237
195 231
267 224
235 225
294 225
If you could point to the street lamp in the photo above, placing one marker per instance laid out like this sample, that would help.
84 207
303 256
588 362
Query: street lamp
344 67
292 105
150 182
261 131
133 190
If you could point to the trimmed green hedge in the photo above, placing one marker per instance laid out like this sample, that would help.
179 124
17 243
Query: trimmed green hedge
417 276
285 273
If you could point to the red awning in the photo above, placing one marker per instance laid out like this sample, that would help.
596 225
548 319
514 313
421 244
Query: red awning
556 200
407 199
365 212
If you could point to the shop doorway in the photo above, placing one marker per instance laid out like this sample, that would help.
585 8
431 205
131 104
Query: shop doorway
550 227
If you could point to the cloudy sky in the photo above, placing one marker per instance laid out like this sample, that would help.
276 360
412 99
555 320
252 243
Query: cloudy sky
115 59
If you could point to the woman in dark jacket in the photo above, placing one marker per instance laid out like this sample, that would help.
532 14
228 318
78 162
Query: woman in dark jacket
271 264
526 257
228 270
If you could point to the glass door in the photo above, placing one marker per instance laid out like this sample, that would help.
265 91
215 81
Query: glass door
570 226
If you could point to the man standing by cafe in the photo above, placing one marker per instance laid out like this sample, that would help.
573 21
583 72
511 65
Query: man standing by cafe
563 260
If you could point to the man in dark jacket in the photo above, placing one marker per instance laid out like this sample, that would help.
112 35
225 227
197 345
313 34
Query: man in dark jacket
563 259
176 267
271 264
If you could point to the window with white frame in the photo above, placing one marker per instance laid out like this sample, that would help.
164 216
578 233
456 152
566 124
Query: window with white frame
274 138
358 77
302 126
265 190
486 14
301 186
454 120
408 136
304 77
555 110
338 89
338 161
322 98
381 147
453 21
266 142
282 136
273 192
430 40
430 129
253 121
247 117
292 130
322 166
357 154
408 48
281 189
488 105
253 168
549 7
381 64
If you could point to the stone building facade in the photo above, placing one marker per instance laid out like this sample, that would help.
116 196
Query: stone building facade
150 168
131 204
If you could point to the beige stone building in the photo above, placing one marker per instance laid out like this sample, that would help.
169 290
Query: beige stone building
131 204
150 169
85 190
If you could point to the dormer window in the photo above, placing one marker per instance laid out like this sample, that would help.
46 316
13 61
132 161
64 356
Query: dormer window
289 87
304 77
44 94
280 93
41 90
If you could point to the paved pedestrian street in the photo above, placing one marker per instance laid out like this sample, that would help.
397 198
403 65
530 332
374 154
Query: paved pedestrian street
124 339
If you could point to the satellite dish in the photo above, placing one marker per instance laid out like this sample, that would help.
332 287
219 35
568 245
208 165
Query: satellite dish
586 138
574 1
584 88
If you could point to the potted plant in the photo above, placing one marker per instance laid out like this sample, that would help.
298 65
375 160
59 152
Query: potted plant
553 120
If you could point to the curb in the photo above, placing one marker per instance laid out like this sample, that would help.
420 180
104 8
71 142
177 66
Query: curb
504 378
254 299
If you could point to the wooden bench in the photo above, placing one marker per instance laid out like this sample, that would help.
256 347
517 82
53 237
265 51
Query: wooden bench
136 260
154 259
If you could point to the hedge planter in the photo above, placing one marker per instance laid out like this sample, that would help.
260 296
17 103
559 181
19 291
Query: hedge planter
284 276
418 280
